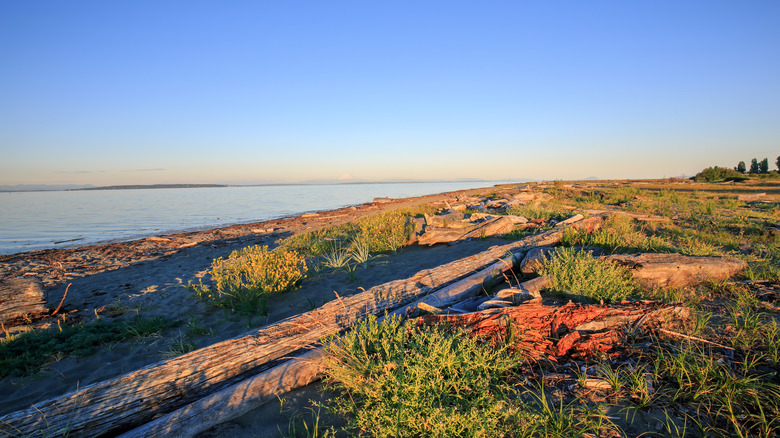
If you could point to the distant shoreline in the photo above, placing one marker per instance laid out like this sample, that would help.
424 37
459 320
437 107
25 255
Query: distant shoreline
196 186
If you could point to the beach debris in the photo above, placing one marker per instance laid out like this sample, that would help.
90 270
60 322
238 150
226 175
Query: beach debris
525 197
21 300
158 239
534 259
750 197
571 220
494 304
427 308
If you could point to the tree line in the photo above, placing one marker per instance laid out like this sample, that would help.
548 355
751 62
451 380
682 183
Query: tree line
756 166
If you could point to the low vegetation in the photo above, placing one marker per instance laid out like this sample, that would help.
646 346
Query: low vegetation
26 353
578 274
243 281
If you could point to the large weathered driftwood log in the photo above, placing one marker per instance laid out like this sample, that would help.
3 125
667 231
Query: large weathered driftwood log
135 398
572 330
676 270
433 235
21 299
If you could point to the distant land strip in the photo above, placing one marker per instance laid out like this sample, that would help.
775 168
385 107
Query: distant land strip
151 186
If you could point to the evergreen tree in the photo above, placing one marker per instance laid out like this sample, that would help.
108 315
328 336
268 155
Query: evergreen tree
753 166
763 166
741 166
777 163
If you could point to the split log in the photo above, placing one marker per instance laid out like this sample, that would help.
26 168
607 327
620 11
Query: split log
235 400
135 398
21 299
434 235
572 330
676 270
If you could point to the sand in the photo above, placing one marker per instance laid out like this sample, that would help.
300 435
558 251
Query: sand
147 277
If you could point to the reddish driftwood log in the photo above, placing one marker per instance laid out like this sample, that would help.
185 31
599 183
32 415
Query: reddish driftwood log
572 330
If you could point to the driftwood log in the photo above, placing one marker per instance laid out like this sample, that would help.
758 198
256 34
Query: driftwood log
235 400
572 330
434 235
135 398
676 270
21 299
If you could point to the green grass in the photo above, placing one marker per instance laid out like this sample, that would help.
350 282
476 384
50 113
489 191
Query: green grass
400 382
578 274
382 232
26 353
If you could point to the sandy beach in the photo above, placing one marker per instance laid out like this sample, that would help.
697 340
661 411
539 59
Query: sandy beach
147 277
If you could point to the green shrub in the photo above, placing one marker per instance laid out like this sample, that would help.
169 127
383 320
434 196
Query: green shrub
244 280
717 174
578 273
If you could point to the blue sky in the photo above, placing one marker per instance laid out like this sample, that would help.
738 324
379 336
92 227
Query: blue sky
137 92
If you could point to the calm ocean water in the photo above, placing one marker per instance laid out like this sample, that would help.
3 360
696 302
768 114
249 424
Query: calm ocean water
42 220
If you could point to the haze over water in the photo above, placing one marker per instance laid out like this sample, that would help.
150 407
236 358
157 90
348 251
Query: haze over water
41 220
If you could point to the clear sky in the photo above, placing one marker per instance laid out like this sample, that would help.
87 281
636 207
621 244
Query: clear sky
142 92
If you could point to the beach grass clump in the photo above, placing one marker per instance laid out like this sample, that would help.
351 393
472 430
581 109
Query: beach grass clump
245 279
26 353
618 235
382 232
577 273
395 381
725 400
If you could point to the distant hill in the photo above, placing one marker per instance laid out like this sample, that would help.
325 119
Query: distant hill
43 187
